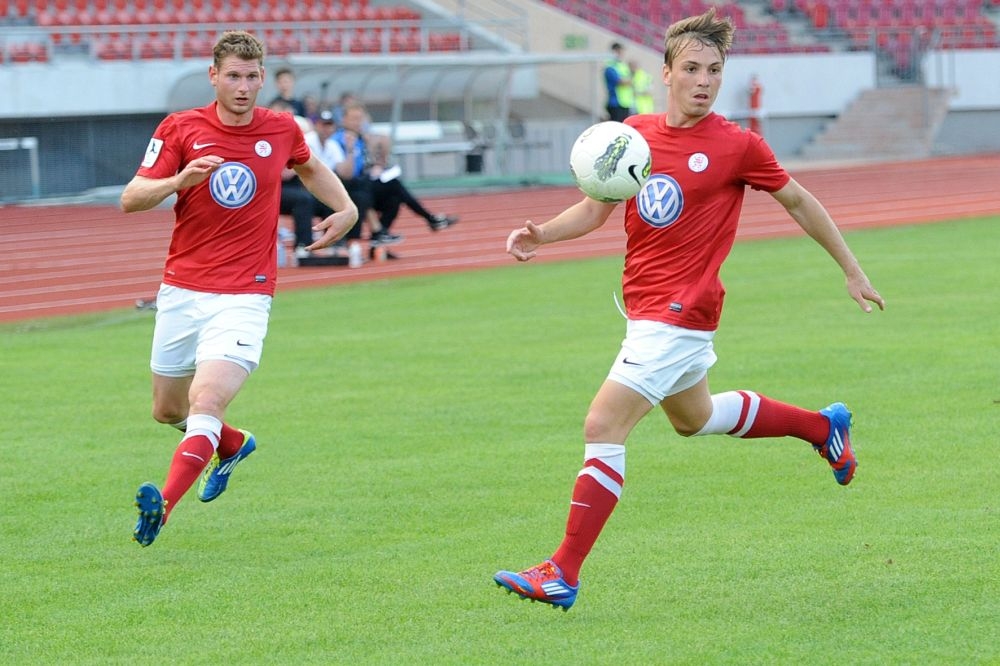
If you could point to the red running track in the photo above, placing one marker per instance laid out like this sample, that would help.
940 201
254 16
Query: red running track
78 259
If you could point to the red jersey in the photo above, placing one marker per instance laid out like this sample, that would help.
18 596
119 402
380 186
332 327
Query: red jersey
682 225
224 238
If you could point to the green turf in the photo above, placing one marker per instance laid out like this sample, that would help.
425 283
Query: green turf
416 435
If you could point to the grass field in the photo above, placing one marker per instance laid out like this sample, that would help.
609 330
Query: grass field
417 435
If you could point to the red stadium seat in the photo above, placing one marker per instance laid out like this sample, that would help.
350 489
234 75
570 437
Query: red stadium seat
154 46
405 40
23 52
114 47
325 41
197 45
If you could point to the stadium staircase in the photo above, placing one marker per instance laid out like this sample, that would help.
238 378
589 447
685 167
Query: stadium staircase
885 123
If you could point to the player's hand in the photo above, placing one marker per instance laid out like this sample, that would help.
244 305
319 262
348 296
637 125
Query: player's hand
198 170
522 243
334 227
862 291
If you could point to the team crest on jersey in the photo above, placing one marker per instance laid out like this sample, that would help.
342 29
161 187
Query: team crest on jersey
661 201
698 162
262 148
232 185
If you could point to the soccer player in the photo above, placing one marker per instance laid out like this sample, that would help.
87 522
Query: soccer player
680 228
224 163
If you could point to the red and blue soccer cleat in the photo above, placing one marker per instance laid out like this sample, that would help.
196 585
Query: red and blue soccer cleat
150 505
837 449
542 582
216 476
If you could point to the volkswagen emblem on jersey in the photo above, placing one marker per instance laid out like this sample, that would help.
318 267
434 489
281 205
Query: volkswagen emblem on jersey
660 202
232 185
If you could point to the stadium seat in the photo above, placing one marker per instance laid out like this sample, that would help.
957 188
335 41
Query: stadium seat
115 46
325 41
155 46
197 45
405 40
23 52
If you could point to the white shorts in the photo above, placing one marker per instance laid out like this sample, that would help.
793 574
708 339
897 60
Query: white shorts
659 360
194 326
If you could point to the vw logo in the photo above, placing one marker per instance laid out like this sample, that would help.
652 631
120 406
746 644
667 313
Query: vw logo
232 185
661 201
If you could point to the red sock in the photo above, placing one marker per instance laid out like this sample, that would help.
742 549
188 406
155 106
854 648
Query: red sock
778 419
595 496
190 458
230 441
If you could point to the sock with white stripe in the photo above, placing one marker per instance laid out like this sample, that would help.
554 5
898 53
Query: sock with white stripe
595 495
750 415
191 456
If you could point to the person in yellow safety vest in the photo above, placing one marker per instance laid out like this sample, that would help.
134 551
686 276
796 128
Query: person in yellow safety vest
618 78
642 87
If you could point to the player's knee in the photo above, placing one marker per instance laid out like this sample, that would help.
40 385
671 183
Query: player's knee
167 414
597 428
686 427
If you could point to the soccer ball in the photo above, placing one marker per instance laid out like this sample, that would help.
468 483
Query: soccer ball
610 161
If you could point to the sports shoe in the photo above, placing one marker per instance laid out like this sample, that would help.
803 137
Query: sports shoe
837 449
216 476
542 582
150 505
385 238
440 222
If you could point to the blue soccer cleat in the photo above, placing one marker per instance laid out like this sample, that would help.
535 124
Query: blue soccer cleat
837 449
543 582
150 505
216 476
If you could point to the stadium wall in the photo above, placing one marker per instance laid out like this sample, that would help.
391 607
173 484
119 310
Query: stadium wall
92 120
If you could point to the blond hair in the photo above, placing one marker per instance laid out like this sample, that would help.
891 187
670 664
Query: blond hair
707 29
238 43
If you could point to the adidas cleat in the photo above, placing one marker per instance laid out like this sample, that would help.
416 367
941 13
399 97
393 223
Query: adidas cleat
837 449
216 476
149 502
542 582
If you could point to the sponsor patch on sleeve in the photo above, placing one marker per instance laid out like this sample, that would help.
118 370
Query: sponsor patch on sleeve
152 152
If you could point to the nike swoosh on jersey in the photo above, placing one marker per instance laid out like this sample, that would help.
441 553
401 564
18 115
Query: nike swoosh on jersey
199 146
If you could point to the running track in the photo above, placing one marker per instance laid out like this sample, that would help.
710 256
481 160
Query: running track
79 259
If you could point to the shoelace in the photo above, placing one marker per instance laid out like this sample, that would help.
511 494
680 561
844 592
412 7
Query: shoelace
540 572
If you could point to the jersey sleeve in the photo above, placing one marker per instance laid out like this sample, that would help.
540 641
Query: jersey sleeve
760 168
300 149
163 153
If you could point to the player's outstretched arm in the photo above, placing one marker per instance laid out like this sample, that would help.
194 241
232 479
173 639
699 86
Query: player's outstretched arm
144 193
577 220
814 219
328 188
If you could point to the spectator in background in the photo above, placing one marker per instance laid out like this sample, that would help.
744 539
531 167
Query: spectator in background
618 79
755 95
388 190
284 81
642 87
350 136
296 200
325 146
312 107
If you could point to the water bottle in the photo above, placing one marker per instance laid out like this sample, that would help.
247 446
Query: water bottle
282 254
354 258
